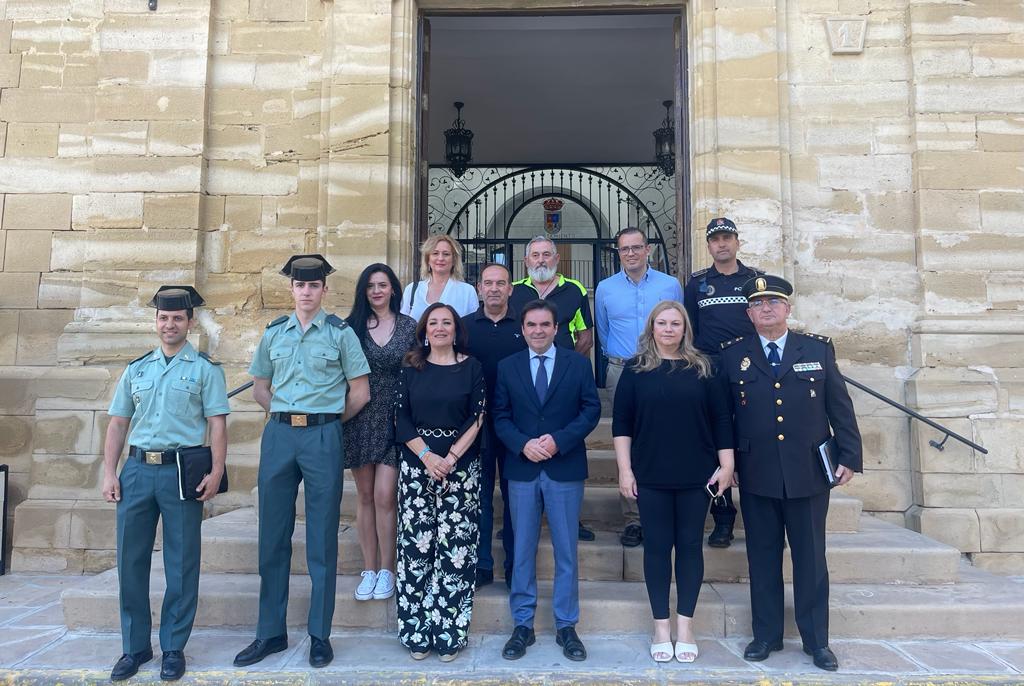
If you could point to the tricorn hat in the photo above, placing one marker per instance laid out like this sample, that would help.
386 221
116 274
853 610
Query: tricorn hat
307 268
767 286
174 298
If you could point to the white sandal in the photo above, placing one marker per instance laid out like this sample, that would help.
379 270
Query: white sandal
661 649
684 649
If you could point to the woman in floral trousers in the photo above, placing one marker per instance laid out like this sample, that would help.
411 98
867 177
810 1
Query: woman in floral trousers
438 415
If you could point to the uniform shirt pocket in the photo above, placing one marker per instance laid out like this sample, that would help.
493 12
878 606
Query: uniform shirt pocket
142 389
281 359
184 397
324 360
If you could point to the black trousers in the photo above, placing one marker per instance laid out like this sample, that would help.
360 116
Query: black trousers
673 518
802 520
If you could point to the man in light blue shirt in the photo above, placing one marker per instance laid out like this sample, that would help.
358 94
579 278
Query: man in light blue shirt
623 302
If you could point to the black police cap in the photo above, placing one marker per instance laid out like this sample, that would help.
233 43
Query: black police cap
721 225
307 268
174 298
767 286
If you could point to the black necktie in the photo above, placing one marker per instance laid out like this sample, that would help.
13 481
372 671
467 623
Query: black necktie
541 382
773 359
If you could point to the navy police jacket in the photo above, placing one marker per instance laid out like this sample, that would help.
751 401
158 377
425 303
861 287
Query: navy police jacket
779 422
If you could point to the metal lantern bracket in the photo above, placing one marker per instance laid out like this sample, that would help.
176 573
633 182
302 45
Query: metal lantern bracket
665 142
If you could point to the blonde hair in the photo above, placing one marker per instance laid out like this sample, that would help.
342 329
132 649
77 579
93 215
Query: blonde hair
647 357
428 247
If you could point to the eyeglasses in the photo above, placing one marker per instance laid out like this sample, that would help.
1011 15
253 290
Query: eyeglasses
765 302
629 249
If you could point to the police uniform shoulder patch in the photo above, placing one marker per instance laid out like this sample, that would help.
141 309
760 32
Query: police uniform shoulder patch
209 359
818 337
698 274
280 320
731 341
335 320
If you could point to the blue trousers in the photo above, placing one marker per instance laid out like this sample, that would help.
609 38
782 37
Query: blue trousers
493 466
560 501
289 455
149 492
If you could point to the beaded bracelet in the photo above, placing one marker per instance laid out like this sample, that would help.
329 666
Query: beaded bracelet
426 449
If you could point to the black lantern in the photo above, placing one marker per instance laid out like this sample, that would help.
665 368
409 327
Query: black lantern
665 142
458 144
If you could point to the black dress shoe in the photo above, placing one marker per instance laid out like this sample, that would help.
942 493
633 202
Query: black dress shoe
515 647
484 577
320 652
128 665
585 534
632 536
824 658
572 646
172 665
760 650
721 537
259 649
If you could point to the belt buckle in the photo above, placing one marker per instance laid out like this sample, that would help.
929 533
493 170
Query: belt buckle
298 419
154 457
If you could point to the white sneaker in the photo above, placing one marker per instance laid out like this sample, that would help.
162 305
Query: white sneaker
385 587
365 589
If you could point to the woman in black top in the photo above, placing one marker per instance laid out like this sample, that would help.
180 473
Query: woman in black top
439 411
672 428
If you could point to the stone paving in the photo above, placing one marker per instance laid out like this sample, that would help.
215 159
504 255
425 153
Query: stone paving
36 648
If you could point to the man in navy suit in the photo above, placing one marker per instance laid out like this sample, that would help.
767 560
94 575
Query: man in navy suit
545 405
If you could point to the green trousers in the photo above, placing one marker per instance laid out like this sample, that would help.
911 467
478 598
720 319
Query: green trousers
148 493
289 455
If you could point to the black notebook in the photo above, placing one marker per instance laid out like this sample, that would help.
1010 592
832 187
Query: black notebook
828 453
193 466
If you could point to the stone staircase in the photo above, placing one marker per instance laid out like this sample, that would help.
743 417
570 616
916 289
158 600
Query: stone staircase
887 581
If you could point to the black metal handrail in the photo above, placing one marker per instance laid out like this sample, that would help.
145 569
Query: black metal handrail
247 384
916 415
948 433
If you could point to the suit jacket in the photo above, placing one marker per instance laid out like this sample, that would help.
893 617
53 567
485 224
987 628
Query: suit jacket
779 422
570 411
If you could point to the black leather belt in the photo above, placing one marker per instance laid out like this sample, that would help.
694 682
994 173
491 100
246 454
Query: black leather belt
301 419
153 456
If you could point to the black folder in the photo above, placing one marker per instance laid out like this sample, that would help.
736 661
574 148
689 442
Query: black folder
828 453
193 466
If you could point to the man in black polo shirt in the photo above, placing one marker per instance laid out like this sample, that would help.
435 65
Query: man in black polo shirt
494 334
543 282
714 301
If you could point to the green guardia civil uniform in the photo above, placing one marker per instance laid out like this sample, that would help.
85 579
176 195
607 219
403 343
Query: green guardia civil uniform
302 442
168 402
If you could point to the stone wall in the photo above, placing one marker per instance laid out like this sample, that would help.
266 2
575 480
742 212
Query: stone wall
207 141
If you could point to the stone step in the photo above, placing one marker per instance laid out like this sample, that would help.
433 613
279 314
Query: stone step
981 605
879 553
601 437
602 509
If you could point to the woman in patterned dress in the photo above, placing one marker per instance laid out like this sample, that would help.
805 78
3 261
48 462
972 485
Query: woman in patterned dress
439 412
386 337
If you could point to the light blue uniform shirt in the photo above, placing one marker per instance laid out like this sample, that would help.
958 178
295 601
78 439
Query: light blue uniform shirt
622 308
309 370
168 402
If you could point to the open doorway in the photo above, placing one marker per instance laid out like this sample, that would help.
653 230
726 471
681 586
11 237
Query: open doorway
563 110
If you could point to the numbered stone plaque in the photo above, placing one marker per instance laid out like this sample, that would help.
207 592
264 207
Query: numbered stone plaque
846 34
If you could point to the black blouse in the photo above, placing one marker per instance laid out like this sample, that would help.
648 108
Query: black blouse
442 401
678 423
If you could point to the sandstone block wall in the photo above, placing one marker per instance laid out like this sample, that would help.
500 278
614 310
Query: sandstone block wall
207 141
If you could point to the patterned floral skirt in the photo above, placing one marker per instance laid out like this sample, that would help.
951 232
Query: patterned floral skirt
438 534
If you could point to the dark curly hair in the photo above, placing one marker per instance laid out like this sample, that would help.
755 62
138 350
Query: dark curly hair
417 356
